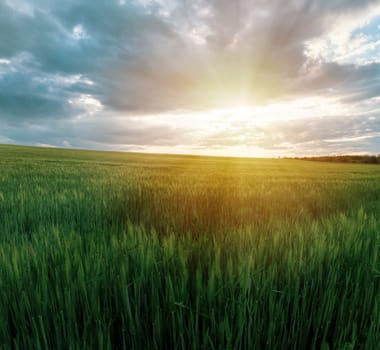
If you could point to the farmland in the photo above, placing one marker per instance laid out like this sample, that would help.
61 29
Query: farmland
105 250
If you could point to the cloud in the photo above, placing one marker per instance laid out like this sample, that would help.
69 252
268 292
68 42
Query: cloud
29 94
96 65
350 82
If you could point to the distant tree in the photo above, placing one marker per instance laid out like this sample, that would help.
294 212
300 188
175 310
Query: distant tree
364 159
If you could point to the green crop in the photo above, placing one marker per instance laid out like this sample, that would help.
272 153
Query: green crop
102 250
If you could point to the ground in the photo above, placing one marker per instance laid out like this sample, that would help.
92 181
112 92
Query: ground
121 250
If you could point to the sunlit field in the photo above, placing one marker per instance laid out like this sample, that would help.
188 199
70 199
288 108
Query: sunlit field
127 251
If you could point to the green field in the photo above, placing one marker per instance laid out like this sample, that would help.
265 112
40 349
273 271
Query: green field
104 250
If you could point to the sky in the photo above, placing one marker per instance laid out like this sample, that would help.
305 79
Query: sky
260 78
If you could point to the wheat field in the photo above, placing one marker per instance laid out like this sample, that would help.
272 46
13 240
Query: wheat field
102 250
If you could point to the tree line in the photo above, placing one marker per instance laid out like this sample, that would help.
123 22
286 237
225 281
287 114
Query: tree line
364 159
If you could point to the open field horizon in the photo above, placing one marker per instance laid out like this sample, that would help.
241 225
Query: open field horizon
190 174
318 157
105 250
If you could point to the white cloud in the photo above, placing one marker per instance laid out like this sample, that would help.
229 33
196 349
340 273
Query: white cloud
79 32
45 145
22 7
354 138
86 103
64 80
5 139
340 45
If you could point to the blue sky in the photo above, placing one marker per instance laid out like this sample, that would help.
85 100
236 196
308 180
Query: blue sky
248 77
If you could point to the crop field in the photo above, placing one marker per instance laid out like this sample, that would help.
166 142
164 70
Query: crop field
102 250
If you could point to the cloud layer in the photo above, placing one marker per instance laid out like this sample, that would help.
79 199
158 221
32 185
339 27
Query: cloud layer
172 75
